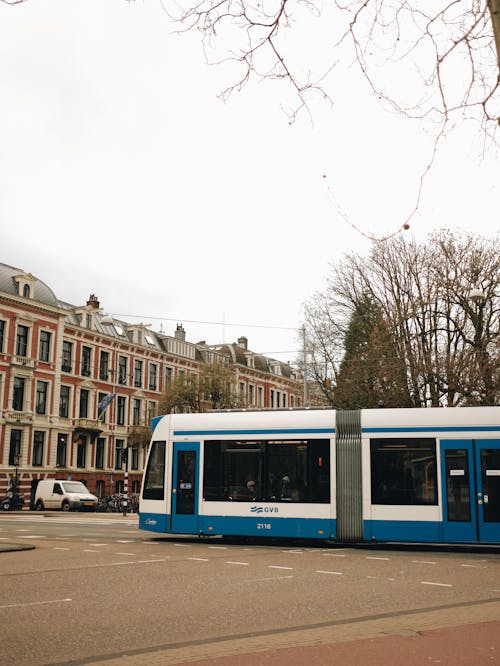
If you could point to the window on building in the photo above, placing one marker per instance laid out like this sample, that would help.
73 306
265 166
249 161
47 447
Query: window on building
403 471
153 376
102 412
120 410
119 487
134 457
273 401
251 394
22 340
151 411
122 369
15 447
118 453
84 404
136 414
104 365
86 361
2 334
138 373
99 452
67 354
136 487
260 396
44 346
62 449
100 489
41 397
64 401
81 451
18 394
26 291
168 376
38 441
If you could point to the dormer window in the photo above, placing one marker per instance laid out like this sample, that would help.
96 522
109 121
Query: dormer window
25 284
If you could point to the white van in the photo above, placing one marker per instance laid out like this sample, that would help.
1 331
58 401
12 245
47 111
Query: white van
65 495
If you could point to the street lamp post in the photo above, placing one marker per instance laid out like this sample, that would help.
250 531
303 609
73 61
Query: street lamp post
478 297
15 480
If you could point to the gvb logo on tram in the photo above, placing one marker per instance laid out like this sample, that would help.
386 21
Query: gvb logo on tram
264 509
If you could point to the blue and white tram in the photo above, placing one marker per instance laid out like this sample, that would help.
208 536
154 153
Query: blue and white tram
398 475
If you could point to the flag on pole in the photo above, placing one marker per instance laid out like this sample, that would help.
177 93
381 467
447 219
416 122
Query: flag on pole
107 400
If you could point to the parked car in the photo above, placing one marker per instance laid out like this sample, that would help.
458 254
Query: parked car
64 495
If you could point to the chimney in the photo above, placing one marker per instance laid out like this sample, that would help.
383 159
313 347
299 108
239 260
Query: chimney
243 342
180 333
93 302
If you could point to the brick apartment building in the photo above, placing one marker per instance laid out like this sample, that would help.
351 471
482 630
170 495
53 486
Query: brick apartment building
58 362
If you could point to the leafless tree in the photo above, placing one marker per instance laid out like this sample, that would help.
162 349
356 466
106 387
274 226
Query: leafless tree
443 56
441 303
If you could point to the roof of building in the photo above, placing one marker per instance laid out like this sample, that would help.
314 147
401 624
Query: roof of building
42 293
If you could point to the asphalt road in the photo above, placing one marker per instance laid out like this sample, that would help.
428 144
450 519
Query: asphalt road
96 590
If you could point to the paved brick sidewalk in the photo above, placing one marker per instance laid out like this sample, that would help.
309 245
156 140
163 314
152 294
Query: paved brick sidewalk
467 635
470 645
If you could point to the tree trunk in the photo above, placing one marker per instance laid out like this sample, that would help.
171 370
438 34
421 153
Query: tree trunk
494 7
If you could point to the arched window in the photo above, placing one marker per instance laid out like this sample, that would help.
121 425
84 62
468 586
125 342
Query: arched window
26 291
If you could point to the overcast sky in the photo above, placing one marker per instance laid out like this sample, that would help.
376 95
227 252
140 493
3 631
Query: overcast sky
122 174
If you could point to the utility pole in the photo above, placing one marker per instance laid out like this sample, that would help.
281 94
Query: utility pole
125 482
304 361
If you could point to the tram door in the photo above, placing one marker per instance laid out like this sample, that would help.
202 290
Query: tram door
471 490
185 477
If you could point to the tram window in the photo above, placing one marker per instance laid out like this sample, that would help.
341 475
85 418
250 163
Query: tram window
403 471
272 471
154 482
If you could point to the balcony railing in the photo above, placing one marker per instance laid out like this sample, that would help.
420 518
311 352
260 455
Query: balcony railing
18 417
87 424
23 361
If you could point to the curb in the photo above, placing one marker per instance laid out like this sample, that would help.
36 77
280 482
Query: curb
15 547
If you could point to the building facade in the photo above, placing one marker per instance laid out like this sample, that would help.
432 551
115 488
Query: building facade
78 389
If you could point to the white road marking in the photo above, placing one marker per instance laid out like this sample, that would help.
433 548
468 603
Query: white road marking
147 561
243 564
125 541
182 545
219 547
378 558
97 544
36 603
332 555
423 562
273 566
260 580
333 573
198 559
60 548
90 551
32 536
472 566
299 552
426 582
